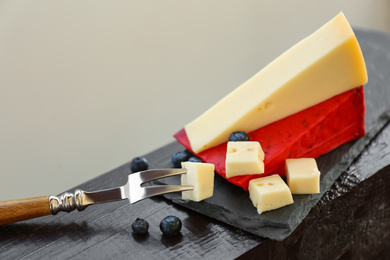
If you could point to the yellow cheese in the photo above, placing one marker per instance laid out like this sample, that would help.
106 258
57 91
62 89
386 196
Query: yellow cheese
243 158
201 176
268 193
327 63
303 176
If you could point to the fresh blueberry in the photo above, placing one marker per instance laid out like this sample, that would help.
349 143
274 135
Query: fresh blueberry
195 159
178 158
140 226
238 136
170 226
139 164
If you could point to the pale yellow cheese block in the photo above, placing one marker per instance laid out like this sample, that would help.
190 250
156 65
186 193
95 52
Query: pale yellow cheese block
303 176
268 193
201 176
244 158
327 63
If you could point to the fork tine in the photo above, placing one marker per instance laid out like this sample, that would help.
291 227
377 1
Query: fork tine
134 192
150 175
163 189
150 191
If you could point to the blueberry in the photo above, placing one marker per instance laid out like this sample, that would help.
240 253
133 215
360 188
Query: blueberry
140 226
139 164
170 226
178 158
195 159
238 136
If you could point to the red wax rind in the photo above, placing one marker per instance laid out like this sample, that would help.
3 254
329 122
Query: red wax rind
309 133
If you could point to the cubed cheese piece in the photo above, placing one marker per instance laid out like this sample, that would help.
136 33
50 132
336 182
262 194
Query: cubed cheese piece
303 176
201 176
245 157
268 193
321 66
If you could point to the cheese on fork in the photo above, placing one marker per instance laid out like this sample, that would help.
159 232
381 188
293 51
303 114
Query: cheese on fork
268 193
243 158
201 176
303 176
325 64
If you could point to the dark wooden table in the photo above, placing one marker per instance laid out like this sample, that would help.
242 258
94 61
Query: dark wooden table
351 221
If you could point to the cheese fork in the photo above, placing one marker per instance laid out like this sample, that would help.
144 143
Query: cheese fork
22 209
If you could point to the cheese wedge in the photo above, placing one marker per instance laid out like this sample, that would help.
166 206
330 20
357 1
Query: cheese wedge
201 176
309 133
321 66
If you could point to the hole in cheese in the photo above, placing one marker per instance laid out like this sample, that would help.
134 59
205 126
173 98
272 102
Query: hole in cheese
269 105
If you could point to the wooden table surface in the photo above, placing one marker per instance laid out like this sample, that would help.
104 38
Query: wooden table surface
343 224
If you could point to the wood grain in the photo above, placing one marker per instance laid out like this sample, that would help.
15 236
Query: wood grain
22 209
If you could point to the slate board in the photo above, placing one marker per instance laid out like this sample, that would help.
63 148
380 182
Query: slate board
232 205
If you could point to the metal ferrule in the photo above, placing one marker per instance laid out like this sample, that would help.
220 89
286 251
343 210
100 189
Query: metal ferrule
67 202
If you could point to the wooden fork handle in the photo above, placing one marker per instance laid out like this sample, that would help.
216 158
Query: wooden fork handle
22 209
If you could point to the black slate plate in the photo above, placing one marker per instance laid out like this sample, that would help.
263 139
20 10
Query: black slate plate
230 204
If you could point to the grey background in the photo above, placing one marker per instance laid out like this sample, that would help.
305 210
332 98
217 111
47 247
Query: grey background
85 86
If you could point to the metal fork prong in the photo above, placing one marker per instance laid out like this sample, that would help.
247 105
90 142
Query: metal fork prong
150 191
150 175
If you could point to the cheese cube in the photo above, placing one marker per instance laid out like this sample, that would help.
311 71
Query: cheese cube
303 176
268 193
201 176
244 158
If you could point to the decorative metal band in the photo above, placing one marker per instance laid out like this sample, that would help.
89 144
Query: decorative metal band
67 202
